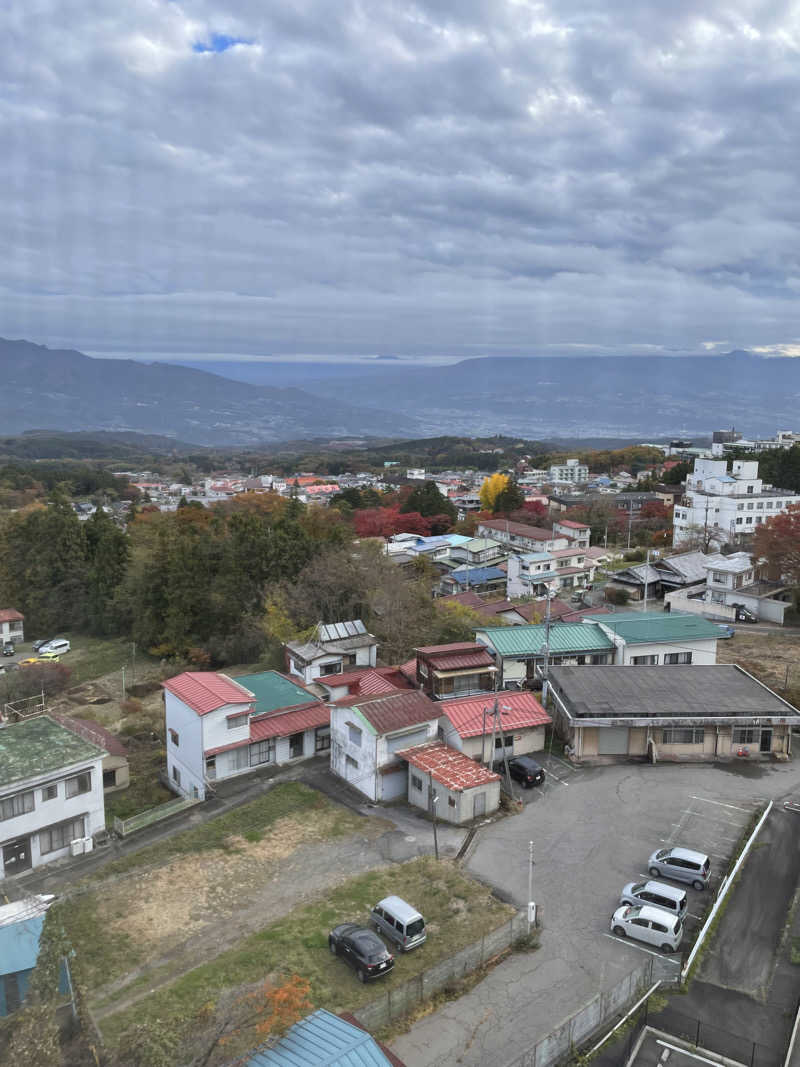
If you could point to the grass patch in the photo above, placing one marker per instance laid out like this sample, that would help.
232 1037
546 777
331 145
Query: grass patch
94 657
145 790
457 909
794 951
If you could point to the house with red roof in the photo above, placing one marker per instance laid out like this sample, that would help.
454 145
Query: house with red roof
11 626
445 781
218 727
469 726
459 669
577 532
368 732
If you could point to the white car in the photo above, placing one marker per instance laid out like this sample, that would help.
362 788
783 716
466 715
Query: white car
645 923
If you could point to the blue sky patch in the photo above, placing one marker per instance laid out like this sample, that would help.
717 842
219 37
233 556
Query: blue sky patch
219 42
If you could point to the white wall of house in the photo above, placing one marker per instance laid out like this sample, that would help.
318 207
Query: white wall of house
701 652
524 740
12 631
353 754
334 663
453 806
88 806
185 757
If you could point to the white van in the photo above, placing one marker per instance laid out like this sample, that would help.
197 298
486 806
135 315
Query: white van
657 894
57 647
398 921
646 923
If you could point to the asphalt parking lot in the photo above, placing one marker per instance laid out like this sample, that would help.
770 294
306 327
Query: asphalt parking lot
593 829
663 1051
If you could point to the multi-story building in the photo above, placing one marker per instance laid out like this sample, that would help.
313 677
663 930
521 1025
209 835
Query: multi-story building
723 506
520 537
572 471
51 793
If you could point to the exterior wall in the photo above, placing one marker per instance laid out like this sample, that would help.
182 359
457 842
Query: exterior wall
215 727
364 776
717 743
453 806
12 631
187 756
364 657
528 739
703 652
48 813
118 765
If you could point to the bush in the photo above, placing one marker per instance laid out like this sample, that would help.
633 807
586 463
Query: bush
636 555
617 596
131 707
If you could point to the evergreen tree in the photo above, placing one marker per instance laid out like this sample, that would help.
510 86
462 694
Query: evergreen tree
429 501
107 559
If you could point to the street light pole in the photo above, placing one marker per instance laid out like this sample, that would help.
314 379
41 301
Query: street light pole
434 802
530 882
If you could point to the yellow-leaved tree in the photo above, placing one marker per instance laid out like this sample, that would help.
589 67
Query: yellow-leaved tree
491 489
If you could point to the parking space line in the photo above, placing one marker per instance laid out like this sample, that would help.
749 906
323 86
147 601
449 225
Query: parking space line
631 944
562 762
692 916
684 1052
719 804
556 778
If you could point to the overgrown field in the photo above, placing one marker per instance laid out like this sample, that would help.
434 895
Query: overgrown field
772 658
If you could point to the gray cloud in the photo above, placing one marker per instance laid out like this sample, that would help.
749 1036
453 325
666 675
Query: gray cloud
433 175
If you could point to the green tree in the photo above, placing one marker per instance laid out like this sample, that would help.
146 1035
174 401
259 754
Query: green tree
429 501
107 551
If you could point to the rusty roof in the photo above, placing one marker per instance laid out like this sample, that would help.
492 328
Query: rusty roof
518 710
446 765
396 710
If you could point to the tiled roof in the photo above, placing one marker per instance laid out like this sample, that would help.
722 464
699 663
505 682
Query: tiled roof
642 627
565 637
517 711
521 529
463 661
205 691
10 615
450 768
285 723
274 691
389 713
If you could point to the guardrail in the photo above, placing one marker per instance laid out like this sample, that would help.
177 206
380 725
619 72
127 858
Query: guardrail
123 827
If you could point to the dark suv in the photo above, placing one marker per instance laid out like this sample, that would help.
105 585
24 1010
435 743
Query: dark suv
527 771
363 950
8 648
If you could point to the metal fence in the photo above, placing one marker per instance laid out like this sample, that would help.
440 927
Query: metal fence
123 827
769 1051
401 999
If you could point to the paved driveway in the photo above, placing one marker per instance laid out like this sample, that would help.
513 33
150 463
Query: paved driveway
592 831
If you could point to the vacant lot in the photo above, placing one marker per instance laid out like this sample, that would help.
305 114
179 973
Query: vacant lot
193 1006
772 658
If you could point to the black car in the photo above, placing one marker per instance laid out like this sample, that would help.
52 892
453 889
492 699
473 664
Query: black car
526 770
8 649
362 949
40 644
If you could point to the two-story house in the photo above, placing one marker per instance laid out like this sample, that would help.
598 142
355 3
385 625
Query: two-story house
335 647
577 532
468 725
519 652
459 669
51 793
218 727
11 626
478 552
520 537
366 734
541 574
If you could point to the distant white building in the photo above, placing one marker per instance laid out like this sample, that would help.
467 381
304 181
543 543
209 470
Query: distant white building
51 794
416 474
726 505
572 471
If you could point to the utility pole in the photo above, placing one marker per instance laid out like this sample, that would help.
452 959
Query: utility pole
546 672
630 523
123 684
646 572
531 905
434 802
133 671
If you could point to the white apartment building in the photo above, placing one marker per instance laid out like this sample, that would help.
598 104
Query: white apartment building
572 471
726 505
51 794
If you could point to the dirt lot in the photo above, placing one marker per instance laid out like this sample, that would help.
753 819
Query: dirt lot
772 658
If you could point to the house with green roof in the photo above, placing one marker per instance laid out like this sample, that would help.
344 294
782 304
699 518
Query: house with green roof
51 793
653 638
520 651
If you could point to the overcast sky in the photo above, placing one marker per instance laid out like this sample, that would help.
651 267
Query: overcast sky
474 176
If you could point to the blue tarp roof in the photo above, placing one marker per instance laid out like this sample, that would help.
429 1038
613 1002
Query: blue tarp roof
19 944
477 574
322 1040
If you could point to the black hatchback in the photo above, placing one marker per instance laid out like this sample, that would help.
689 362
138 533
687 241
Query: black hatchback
527 771
363 950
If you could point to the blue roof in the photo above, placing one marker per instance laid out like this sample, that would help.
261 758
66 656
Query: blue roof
19 944
477 574
322 1040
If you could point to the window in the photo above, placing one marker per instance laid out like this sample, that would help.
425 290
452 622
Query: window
176 775
211 768
685 735
750 507
451 801
504 742
719 577
21 804
660 927
322 739
759 506
235 721
416 782
240 758
350 762
746 735
296 742
174 738
109 779
748 520
50 792
259 753
739 522
678 657
769 505
60 835
354 734
330 668
81 783
644 661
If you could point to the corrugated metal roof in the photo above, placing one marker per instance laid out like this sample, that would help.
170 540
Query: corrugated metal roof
565 637
521 529
322 1040
337 631
474 575
273 691
463 661
639 627
518 710
393 712
446 765
205 691
285 723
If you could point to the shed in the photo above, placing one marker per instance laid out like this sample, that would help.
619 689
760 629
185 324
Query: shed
21 925
443 779
324 1040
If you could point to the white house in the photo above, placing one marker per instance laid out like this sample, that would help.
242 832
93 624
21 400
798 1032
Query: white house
367 733
51 794
218 727
539 574
11 626
445 781
577 532
336 647
731 583
652 638
467 725
725 506
520 537
572 471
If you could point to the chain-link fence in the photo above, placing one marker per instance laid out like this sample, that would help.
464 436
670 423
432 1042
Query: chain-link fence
400 999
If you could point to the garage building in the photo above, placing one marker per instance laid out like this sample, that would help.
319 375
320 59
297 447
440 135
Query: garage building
704 712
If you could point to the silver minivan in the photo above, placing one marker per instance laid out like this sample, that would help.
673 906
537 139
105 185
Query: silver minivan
58 646
398 921
682 865
648 924
657 894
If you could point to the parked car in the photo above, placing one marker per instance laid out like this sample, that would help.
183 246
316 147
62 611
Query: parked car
525 770
725 631
398 921
656 894
29 662
50 657
8 649
363 950
59 645
744 614
682 865
37 645
648 924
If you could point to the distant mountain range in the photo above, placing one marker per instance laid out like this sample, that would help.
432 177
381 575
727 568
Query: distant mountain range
55 389
536 397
